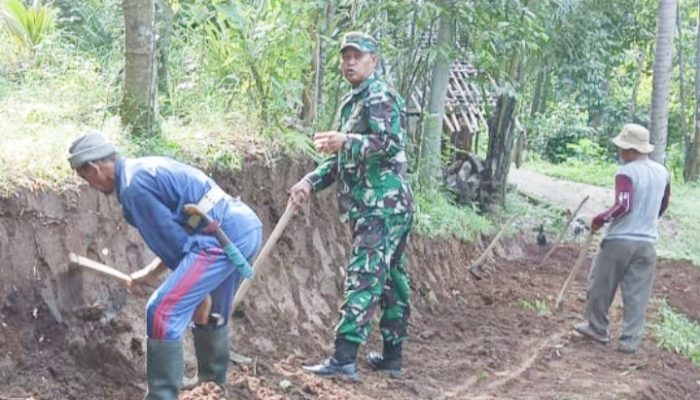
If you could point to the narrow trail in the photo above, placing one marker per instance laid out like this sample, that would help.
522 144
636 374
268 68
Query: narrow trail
562 193
567 194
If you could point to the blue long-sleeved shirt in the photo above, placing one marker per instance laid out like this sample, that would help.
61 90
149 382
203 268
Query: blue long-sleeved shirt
153 191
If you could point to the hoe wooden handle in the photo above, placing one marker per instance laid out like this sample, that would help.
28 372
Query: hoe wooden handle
574 271
265 252
99 267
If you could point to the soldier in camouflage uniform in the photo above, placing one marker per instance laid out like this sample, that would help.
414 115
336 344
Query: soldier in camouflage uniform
368 162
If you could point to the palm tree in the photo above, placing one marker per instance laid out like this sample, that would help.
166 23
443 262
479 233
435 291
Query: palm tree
663 56
691 169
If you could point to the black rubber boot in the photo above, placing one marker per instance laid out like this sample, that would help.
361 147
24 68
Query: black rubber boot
212 350
389 360
343 362
164 369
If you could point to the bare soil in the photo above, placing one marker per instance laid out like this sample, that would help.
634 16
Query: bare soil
65 334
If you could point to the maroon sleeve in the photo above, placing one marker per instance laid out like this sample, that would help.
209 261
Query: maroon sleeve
664 201
623 201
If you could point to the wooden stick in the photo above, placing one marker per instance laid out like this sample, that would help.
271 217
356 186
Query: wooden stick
476 264
98 267
559 238
265 252
574 270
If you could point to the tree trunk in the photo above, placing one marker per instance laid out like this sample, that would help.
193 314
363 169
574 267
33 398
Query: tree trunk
663 57
164 26
545 91
691 170
138 106
499 151
537 93
681 77
431 166
312 88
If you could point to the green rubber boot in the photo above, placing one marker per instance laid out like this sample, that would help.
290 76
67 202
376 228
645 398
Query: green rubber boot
164 369
212 351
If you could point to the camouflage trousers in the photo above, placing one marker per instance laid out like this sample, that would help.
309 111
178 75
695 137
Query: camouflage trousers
376 276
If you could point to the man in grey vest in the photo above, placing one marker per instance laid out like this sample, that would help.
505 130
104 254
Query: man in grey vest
627 257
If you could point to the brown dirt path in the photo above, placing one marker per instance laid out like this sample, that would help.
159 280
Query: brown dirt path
562 193
484 342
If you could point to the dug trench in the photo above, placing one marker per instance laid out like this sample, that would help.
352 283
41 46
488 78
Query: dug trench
68 334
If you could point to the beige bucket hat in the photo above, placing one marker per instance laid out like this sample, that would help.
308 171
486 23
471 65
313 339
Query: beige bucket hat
633 136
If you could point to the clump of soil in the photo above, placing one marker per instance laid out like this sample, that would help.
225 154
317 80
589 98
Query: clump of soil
204 391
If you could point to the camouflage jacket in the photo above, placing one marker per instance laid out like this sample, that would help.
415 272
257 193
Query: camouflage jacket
370 169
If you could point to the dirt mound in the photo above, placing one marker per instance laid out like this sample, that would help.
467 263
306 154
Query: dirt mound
65 334
204 391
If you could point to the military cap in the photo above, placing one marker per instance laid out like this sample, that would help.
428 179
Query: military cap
360 41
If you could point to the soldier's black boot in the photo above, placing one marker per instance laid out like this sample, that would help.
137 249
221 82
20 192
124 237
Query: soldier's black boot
343 363
389 360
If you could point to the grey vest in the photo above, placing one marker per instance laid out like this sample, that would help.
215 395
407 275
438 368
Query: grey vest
649 180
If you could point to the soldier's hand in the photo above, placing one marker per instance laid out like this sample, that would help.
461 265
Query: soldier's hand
329 142
300 192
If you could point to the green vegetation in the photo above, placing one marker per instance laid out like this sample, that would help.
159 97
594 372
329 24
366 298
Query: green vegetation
538 305
599 174
438 216
532 214
683 239
675 333
29 26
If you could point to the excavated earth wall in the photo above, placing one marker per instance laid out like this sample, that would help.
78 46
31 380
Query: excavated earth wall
70 334
78 334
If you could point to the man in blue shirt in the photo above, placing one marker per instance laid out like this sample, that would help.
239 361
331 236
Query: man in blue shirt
153 192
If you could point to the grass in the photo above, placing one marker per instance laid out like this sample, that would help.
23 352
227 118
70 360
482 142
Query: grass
538 305
677 334
57 94
599 174
531 214
439 217
44 103
683 242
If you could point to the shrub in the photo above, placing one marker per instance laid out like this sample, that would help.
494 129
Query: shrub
29 26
